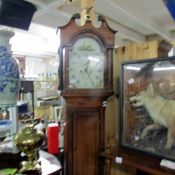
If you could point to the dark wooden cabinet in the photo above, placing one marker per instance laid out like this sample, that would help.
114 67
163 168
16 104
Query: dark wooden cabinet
143 163
85 73
13 160
27 86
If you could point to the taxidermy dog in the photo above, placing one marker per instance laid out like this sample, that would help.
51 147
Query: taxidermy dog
161 111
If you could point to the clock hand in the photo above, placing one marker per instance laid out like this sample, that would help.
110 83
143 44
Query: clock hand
86 66
87 71
90 77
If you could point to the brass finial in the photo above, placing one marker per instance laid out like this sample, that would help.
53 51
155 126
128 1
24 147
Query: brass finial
87 11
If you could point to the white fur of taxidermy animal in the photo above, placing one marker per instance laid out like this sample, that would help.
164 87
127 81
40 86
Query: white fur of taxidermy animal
161 111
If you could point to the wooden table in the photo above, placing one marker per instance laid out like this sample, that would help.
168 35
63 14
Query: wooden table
48 161
143 163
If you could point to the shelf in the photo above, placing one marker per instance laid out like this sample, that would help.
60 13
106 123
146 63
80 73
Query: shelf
52 81
8 106
5 125
36 80
48 98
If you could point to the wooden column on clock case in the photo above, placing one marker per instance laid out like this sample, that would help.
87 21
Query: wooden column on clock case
84 131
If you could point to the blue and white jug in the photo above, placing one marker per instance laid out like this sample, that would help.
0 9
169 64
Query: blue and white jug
9 71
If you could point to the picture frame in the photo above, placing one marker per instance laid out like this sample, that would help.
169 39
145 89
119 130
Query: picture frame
147 106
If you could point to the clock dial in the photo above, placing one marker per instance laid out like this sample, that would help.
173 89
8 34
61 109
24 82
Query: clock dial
86 65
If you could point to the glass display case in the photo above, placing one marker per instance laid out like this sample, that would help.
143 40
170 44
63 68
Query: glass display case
8 120
147 103
42 96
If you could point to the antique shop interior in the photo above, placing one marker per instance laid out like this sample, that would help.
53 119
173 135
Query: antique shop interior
87 87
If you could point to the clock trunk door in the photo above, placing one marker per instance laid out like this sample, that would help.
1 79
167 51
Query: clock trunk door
85 143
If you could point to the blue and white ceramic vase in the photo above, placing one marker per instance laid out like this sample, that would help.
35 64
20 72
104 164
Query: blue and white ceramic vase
9 71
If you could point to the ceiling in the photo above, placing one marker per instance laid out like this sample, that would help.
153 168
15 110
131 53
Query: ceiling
134 20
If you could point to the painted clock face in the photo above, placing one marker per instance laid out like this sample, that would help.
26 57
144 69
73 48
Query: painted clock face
86 65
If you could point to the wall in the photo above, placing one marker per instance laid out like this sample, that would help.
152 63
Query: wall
38 66
35 67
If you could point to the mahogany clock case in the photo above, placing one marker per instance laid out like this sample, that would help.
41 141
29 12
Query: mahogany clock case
147 106
85 72
71 35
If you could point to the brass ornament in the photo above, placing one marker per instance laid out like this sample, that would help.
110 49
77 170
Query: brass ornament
28 140
87 12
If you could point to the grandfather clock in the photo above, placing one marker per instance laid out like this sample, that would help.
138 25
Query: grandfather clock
85 72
